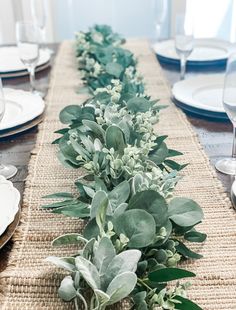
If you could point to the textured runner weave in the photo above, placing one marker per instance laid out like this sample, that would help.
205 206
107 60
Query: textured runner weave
30 283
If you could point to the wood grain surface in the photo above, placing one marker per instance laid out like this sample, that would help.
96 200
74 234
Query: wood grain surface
215 136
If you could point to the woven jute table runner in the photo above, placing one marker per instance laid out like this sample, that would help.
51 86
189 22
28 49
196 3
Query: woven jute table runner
30 283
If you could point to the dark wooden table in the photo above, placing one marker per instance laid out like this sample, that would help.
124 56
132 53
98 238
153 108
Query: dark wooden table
16 149
215 137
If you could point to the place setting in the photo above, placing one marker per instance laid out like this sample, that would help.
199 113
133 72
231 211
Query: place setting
20 110
200 95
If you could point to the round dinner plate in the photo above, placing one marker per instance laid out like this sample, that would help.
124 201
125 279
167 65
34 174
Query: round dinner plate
206 51
10 200
21 107
201 93
10 62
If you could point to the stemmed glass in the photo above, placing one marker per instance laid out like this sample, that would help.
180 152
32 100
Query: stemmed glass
183 41
160 10
27 35
39 13
8 171
228 165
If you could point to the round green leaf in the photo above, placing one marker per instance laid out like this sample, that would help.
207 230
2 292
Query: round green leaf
138 225
115 139
69 113
114 69
138 104
153 203
185 212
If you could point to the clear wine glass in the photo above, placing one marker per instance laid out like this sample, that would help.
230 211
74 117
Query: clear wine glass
39 13
183 41
228 165
8 171
27 36
160 11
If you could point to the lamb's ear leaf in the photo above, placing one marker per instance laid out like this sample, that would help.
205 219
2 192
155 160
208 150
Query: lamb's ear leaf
104 254
88 271
119 194
102 297
99 198
67 290
67 263
121 286
73 238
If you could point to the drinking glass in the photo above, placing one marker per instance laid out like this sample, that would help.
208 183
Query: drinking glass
8 171
228 165
183 41
160 11
27 35
39 13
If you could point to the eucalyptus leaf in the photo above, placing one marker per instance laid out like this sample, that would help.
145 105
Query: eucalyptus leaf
115 139
69 113
186 304
186 252
95 128
138 104
137 225
153 203
185 212
114 69
195 236
169 274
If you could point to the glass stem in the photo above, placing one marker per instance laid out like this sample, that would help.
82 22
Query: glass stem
32 78
182 66
234 142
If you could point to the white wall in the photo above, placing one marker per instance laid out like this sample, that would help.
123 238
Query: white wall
132 18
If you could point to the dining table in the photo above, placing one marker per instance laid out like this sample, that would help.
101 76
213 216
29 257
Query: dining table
215 136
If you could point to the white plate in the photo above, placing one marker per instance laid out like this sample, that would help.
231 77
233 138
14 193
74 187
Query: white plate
201 92
9 205
10 61
204 50
21 107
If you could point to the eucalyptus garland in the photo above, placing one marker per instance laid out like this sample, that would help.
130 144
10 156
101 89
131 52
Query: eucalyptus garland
135 231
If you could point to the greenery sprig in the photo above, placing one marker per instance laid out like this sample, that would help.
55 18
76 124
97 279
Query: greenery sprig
135 231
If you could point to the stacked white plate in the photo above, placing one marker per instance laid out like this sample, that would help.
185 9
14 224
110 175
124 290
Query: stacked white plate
201 95
9 204
11 65
207 52
23 110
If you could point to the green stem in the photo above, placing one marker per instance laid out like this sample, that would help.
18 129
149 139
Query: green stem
144 284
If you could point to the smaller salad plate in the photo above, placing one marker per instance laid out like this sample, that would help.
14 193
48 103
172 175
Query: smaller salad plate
9 210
